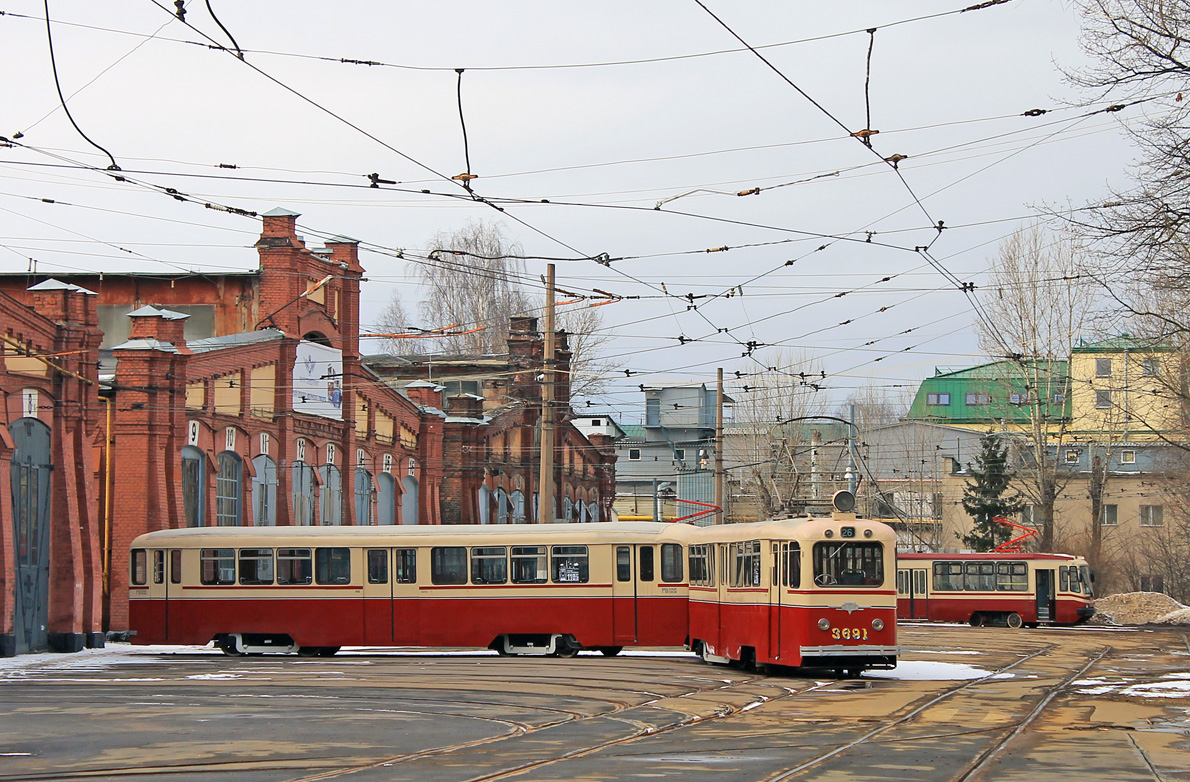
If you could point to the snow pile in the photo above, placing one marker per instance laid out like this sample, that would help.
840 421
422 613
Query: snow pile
1139 608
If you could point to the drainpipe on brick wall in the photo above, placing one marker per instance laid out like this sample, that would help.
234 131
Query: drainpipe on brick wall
107 499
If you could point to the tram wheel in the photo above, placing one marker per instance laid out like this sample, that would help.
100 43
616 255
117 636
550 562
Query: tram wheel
1014 620
977 620
328 651
227 645
610 651
566 647
309 651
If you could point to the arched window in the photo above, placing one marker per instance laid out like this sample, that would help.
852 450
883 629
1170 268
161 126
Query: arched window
580 512
363 497
484 500
409 500
303 494
330 510
264 492
228 490
386 500
567 510
501 506
194 486
30 486
593 507
518 507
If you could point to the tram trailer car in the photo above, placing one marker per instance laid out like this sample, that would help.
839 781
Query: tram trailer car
802 593
995 588
533 589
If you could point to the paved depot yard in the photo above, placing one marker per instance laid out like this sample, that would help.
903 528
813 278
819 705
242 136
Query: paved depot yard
988 703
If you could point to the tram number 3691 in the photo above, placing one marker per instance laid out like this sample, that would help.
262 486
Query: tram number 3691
849 633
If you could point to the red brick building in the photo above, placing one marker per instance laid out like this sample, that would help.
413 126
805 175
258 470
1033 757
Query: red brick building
265 415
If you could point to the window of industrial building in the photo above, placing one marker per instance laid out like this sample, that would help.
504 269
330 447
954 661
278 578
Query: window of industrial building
633 454
978 399
1071 456
502 506
363 496
569 564
448 565
378 566
1152 516
406 566
489 565
1102 398
518 507
567 510
937 400
1018 398
652 411
671 563
1127 457
1103 367
386 499
330 508
194 486
332 565
218 566
295 566
680 454
228 496
1150 367
264 492
1109 516
303 494
256 566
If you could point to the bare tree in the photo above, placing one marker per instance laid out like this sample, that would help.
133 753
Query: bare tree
474 282
394 319
872 405
1038 306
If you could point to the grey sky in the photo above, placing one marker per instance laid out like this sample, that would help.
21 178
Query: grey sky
948 92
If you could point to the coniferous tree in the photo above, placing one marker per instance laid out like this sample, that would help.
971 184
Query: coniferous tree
983 496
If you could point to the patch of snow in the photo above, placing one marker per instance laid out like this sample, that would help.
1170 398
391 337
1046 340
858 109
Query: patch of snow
1174 689
921 670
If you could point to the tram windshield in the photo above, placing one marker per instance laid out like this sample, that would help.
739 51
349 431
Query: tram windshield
848 564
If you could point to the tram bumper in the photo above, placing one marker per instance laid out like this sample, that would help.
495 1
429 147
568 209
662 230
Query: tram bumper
1085 613
839 656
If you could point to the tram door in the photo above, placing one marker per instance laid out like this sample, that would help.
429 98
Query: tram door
919 605
1045 594
624 597
406 627
378 596
780 577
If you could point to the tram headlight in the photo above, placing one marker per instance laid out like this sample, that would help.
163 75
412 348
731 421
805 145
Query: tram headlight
824 624
867 533
828 533
877 624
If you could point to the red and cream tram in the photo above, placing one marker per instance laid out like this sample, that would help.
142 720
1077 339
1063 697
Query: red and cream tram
995 588
804 593
795 593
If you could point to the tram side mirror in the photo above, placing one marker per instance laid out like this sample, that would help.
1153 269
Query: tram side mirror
844 501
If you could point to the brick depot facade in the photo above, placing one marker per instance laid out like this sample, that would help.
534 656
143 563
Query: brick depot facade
276 424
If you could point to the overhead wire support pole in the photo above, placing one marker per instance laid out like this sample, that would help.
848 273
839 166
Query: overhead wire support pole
720 483
545 483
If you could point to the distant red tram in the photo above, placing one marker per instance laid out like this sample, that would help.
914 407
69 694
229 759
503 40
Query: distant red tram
995 588
799 593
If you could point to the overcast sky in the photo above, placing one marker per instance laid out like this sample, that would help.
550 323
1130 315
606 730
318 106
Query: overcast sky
605 144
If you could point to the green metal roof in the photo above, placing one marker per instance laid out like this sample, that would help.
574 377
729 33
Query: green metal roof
991 393
1120 344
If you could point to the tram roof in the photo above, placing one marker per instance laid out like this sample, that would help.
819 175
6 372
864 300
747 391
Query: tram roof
985 556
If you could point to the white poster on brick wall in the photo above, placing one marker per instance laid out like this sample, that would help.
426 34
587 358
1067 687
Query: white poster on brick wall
318 380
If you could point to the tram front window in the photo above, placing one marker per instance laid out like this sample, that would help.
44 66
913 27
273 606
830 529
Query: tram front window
1088 579
848 564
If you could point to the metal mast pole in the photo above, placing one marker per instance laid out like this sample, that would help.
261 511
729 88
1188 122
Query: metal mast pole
545 483
720 484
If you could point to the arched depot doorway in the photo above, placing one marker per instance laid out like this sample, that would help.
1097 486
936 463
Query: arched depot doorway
31 468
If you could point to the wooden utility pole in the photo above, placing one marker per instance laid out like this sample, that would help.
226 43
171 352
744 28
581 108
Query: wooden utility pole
720 483
545 483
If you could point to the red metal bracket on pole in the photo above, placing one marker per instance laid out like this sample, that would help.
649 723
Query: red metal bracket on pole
709 509
1013 546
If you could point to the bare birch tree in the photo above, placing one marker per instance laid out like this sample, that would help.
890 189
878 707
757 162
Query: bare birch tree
1037 306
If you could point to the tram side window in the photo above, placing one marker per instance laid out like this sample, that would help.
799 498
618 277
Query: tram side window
158 567
1012 577
671 563
448 565
646 563
1065 583
919 582
849 564
529 565
489 565
295 566
256 566
332 565
623 563
175 566
980 577
902 582
378 566
406 566
745 566
699 573
793 568
140 567
569 564
948 576
218 566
